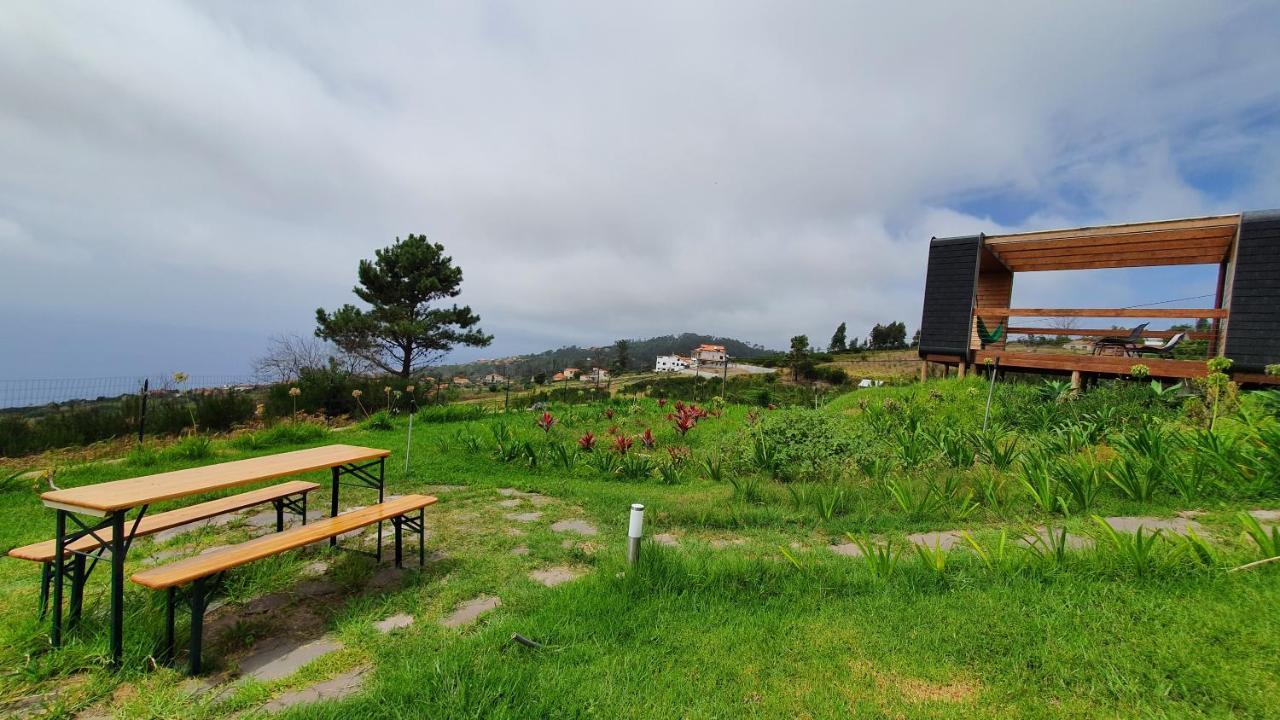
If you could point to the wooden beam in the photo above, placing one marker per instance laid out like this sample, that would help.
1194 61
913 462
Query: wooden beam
1119 260
1098 332
1103 312
1018 253
1113 240
1198 223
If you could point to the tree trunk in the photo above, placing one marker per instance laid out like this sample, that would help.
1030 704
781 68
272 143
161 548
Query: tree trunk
406 367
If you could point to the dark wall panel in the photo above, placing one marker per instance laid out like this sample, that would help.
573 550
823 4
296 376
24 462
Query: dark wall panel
1253 330
948 295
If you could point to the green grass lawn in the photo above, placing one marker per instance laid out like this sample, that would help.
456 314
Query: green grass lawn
751 614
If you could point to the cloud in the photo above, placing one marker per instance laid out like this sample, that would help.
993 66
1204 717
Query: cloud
739 168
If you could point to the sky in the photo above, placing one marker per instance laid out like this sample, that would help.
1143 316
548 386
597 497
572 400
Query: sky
181 181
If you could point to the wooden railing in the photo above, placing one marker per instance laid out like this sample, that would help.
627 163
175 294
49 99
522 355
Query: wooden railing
1210 313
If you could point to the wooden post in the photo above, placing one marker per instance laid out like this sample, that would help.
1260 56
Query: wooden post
1075 381
924 370
960 368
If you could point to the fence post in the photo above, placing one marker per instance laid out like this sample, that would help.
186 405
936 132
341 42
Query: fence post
142 410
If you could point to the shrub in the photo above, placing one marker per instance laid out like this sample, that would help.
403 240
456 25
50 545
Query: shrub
380 420
804 439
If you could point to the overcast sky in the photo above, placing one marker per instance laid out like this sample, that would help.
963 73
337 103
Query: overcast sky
180 181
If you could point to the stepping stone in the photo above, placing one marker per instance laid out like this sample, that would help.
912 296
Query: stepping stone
316 567
525 517
1131 524
469 611
540 500
554 576
1266 516
512 492
582 527
438 489
332 689
512 503
721 543
515 532
281 659
666 539
1191 514
315 589
847 549
395 622
521 550
266 518
1074 542
946 539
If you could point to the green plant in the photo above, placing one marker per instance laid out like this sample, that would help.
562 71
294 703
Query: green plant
1138 550
530 454
934 559
192 447
997 449
1196 547
801 495
1055 390
916 501
1268 543
1139 371
564 456
996 556
881 558
636 466
669 472
1136 481
746 488
829 501
957 447
1081 477
380 420
712 465
1048 547
1038 480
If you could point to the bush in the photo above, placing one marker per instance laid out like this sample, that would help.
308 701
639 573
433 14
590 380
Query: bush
803 439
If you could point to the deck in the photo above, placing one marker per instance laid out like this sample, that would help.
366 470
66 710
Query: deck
1114 365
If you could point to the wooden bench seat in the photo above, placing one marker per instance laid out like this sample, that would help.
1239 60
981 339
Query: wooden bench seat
403 512
152 524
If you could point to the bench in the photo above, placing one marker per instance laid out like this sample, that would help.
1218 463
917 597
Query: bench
200 571
291 495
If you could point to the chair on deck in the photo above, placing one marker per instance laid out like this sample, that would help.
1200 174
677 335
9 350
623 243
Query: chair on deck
1127 344
1165 351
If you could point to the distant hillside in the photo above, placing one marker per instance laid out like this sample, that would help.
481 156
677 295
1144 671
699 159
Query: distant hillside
641 356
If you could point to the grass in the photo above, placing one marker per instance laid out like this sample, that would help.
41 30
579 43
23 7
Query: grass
752 615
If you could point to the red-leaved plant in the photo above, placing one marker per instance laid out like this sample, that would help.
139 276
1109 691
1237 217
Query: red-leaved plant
662 402
546 421
613 430
679 454
647 439
684 423
621 444
587 442
608 413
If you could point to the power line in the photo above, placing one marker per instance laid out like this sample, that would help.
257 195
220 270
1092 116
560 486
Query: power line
1166 302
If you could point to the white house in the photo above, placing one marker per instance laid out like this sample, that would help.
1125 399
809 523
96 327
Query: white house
597 375
709 355
492 378
671 363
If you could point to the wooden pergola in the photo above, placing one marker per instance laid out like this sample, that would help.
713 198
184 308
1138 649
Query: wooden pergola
971 278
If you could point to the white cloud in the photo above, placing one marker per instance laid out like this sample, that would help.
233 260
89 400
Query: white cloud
739 168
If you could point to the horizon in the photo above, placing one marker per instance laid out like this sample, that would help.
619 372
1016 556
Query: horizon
767 174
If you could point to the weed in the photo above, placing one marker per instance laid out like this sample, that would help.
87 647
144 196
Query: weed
996 556
881 558
1268 543
917 502
1137 550
997 448
192 447
934 559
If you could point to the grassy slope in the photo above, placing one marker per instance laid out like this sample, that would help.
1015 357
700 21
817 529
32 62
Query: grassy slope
700 632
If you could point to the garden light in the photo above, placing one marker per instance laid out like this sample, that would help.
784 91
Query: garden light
634 532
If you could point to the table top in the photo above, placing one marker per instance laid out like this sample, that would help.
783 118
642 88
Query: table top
118 495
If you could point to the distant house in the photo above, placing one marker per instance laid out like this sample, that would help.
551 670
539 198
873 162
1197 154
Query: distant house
571 373
597 375
557 377
1079 346
709 355
867 382
492 379
671 363
461 381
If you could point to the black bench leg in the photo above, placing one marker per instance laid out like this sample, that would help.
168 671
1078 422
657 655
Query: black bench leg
398 523
55 635
46 577
382 488
198 604
422 537
279 514
167 652
333 503
304 508
77 590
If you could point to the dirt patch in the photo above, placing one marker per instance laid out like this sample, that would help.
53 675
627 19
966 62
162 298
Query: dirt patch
918 690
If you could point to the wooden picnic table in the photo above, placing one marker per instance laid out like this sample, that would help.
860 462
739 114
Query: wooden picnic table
113 501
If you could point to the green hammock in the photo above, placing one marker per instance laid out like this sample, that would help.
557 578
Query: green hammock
987 336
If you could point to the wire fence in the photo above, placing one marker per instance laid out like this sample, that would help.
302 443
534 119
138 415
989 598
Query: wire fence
40 393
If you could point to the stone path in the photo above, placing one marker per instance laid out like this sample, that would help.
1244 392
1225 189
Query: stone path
520 550
469 611
1266 516
554 576
946 539
525 517
1131 524
280 658
332 689
666 539
398 621
582 527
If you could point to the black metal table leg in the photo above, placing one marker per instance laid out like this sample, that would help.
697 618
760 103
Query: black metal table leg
198 600
118 550
46 578
59 569
279 514
333 503
382 488
171 599
422 537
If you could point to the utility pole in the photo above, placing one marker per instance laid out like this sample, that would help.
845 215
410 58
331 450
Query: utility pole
724 379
